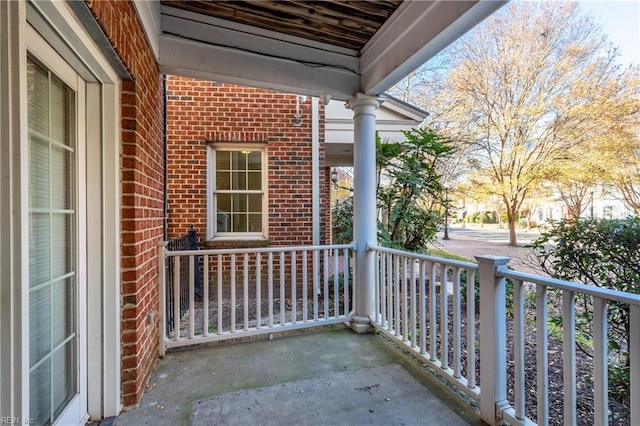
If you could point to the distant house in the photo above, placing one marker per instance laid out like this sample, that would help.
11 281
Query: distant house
251 167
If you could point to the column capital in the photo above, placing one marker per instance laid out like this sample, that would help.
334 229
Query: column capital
360 100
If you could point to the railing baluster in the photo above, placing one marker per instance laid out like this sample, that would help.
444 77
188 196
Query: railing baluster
245 294
397 278
315 284
259 290
294 284
569 356
423 307
405 322
390 287
205 294
176 298
444 316
233 293
384 284
518 348
634 361
457 335
471 328
270 287
305 284
325 276
219 301
282 288
336 284
192 320
347 277
432 314
542 344
412 291
377 284
600 362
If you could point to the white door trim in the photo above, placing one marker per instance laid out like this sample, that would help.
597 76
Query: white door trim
102 177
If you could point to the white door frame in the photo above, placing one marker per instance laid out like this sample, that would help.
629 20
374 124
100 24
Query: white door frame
76 410
100 166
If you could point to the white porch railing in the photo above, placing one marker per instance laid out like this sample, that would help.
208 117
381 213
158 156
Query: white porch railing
419 305
429 305
247 292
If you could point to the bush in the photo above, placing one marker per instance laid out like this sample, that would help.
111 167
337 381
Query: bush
604 253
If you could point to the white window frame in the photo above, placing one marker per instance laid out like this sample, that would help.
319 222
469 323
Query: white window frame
212 232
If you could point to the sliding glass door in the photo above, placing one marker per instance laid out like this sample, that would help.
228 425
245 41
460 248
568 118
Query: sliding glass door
54 348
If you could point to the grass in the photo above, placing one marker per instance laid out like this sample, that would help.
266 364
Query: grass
450 256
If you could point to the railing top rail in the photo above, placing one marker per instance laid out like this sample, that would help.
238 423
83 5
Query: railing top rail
604 293
275 249
429 258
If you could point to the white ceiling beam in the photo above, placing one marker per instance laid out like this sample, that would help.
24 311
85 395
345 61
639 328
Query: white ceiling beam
207 47
180 56
415 33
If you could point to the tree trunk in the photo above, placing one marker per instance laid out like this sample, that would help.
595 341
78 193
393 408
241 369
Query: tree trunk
511 219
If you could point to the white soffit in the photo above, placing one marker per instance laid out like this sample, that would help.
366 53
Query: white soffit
415 33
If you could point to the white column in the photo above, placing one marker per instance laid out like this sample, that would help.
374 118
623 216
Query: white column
364 207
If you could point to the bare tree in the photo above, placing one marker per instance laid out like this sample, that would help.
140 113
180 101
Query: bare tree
524 89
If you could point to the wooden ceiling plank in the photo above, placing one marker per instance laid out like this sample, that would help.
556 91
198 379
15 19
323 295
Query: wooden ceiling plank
346 24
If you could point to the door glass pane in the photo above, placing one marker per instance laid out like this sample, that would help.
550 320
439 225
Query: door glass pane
63 360
62 317
52 245
40 393
60 162
39 325
39 248
39 172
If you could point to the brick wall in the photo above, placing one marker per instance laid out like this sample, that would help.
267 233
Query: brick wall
201 110
142 180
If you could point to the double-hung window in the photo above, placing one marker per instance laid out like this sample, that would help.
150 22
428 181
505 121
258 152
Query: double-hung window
238 200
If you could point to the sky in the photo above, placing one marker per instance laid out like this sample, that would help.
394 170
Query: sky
620 20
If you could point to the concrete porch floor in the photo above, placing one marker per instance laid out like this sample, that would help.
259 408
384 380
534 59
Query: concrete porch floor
325 376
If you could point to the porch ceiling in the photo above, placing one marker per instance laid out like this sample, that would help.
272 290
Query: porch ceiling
308 47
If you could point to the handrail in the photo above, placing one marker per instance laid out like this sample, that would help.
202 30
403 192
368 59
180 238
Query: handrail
274 249
427 257
605 293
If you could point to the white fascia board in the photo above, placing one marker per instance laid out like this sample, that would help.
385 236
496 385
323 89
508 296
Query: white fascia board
187 58
410 113
247 55
149 12
415 33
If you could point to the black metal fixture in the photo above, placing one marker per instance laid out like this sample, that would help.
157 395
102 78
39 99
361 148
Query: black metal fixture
334 176
446 214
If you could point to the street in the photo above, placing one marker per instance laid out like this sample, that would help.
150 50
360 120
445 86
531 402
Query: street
473 240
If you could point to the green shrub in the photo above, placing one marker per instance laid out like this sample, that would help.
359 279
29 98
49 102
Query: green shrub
603 253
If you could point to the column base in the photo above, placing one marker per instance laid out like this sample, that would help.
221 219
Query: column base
361 325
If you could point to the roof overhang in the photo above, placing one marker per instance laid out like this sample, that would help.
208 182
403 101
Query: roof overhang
203 45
